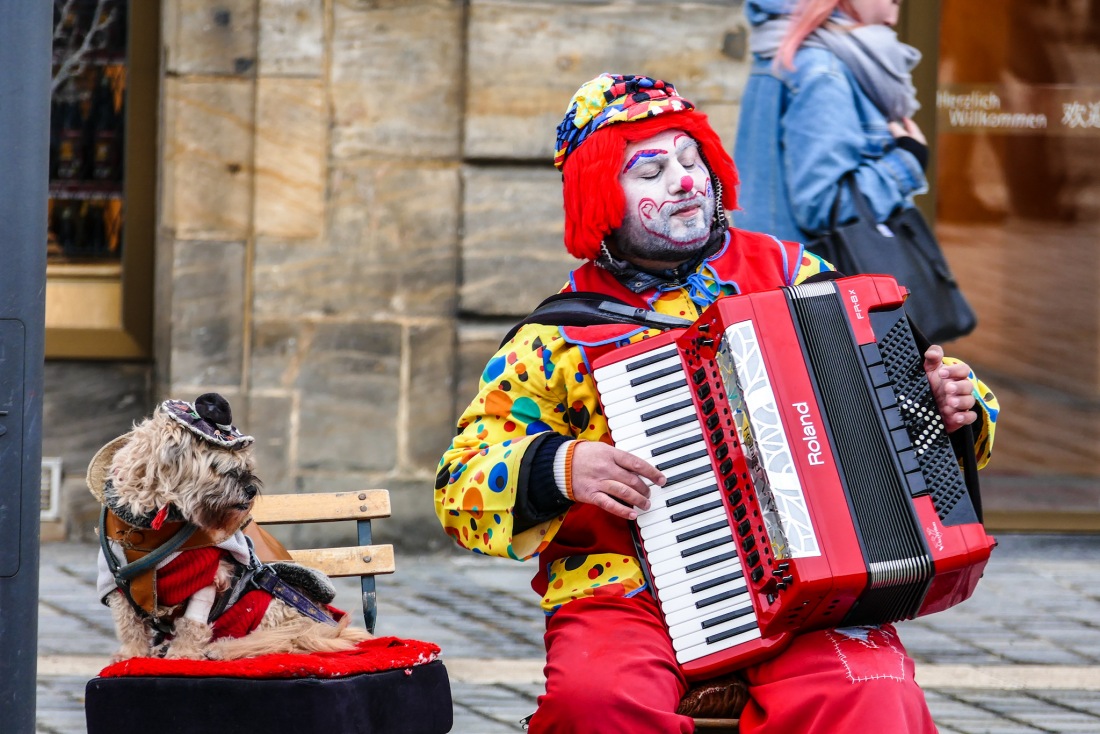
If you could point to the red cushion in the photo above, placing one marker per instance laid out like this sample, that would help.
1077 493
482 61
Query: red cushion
380 653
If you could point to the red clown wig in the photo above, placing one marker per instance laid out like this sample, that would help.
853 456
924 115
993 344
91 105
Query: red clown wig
594 200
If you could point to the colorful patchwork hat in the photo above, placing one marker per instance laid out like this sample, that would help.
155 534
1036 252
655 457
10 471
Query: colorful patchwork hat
611 98
210 418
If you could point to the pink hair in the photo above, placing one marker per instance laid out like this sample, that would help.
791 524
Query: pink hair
808 16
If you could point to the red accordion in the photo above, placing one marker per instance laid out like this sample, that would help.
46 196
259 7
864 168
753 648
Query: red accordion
811 480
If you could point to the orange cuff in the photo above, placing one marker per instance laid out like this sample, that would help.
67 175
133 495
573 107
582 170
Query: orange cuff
569 470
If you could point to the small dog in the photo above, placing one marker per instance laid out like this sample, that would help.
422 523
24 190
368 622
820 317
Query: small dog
178 565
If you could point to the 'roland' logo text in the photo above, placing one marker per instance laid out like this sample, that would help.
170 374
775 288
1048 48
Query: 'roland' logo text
809 434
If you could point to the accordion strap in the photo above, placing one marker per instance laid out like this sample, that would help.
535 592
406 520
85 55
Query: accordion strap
582 308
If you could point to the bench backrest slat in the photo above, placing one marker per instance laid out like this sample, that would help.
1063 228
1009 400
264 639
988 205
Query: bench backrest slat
276 509
349 561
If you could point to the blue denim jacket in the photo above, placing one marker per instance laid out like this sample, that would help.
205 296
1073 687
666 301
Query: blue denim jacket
800 131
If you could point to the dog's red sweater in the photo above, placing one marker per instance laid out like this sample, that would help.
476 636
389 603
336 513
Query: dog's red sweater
194 569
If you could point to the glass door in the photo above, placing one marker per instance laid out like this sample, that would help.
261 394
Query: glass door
1017 205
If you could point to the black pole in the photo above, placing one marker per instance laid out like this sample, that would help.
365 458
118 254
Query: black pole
25 40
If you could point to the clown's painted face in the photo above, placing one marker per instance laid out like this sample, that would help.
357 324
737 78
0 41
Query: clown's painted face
669 201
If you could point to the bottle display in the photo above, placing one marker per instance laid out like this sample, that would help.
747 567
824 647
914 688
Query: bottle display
86 131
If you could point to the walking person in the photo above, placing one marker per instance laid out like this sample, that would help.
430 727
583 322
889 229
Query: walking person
829 94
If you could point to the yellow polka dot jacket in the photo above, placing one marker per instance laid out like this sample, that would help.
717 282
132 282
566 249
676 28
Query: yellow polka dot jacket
538 390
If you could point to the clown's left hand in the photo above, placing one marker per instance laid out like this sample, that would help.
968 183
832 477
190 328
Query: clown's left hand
952 388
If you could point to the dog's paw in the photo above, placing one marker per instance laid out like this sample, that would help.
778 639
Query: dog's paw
190 641
121 655
184 652
130 651
213 653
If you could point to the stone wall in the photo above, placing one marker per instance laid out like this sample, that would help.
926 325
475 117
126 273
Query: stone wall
356 200
85 405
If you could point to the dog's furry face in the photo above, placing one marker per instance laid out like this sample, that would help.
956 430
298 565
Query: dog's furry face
164 464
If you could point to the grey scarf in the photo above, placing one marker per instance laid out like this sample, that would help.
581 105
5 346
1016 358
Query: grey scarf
880 62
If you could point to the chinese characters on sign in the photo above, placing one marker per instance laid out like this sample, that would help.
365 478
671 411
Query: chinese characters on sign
1078 114
1019 110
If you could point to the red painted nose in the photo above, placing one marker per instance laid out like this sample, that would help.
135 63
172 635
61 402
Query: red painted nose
686 183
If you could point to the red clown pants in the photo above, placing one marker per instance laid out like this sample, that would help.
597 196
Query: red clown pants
610 668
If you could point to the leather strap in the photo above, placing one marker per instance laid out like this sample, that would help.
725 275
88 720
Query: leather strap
144 548
573 308
264 578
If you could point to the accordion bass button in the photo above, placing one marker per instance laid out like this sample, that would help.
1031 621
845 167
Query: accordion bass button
871 354
909 461
878 375
893 418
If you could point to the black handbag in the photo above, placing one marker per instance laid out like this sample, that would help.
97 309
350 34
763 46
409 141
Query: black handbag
905 248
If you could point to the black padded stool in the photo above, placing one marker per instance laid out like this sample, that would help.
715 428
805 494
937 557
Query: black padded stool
413 700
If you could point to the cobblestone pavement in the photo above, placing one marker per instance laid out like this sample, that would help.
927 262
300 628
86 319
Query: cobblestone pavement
1019 657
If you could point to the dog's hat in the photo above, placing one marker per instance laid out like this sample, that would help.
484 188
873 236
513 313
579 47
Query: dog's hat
209 417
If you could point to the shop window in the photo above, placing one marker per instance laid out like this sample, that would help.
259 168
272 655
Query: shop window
101 179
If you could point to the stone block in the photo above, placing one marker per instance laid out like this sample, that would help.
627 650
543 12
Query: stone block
84 406
292 38
430 392
203 37
694 45
275 353
87 404
295 279
269 419
208 285
512 251
397 79
290 161
208 158
395 226
350 390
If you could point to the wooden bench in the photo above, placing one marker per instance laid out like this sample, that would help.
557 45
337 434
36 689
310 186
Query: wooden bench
363 560
415 700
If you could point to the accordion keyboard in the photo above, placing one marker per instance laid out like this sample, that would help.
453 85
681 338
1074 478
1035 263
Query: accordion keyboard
690 547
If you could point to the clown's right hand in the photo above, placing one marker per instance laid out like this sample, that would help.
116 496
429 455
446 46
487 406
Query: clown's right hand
612 479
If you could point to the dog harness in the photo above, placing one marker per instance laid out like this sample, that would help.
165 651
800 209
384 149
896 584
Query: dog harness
147 548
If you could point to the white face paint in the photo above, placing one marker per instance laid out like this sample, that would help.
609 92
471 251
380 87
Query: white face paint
877 12
669 201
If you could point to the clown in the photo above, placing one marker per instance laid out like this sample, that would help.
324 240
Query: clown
532 472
